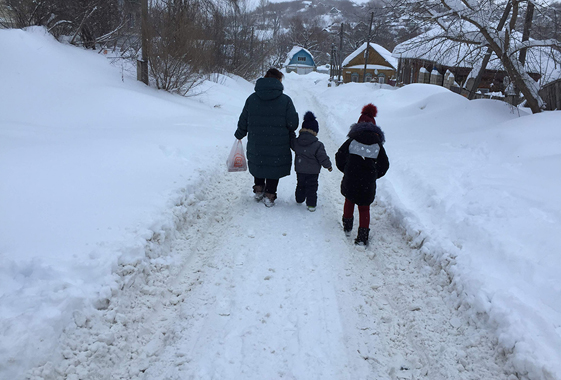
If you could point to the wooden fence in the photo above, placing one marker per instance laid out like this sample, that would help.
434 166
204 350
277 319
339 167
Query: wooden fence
551 95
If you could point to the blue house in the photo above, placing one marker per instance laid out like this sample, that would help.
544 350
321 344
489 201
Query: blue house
300 60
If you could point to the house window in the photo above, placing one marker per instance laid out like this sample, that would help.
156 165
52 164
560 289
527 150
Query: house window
354 77
301 59
368 77
381 78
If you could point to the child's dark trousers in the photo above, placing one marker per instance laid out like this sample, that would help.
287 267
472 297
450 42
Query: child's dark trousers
307 189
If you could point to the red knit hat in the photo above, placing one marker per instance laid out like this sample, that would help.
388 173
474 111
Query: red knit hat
368 114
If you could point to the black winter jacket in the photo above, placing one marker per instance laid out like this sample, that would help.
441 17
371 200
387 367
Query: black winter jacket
362 159
269 119
310 154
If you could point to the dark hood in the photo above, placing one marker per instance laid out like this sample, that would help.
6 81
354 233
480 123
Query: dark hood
306 138
268 88
367 133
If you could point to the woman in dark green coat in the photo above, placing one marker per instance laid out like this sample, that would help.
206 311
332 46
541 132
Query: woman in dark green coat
269 119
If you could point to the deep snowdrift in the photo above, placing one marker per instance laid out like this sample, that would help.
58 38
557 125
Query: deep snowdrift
91 167
475 186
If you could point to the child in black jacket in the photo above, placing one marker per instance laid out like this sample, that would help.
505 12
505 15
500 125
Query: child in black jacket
310 157
362 159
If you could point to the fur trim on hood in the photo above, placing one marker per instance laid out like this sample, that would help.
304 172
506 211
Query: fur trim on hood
309 131
367 133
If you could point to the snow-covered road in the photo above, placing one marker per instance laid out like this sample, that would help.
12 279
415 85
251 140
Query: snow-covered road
278 293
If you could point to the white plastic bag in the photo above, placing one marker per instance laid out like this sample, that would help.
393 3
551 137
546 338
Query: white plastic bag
236 160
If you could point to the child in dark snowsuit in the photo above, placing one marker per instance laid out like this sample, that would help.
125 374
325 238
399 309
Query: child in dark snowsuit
362 159
310 157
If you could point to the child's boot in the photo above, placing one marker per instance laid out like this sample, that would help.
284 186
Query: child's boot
362 237
347 225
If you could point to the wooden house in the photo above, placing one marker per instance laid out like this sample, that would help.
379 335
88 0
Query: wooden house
381 66
300 60
438 56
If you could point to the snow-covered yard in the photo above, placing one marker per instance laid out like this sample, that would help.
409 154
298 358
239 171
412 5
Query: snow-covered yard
127 251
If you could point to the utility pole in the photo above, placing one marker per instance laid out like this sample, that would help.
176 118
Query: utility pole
251 44
262 55
331 63
367 47
142 64
340 57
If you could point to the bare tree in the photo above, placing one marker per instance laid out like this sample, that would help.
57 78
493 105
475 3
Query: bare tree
83 20
305 33
475 22
22 13
311 34
382 32
179 46
547 22
244 39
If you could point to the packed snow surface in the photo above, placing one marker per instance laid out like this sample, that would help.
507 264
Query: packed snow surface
128 251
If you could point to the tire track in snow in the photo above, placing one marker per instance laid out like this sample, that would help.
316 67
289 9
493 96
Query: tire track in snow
275 312
121 339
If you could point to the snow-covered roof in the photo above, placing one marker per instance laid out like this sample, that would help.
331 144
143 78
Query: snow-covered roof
370 67
294 65
379 49
545 61
432 46
264 34
330 20
292 52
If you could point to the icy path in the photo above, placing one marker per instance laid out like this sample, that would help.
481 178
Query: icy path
277 293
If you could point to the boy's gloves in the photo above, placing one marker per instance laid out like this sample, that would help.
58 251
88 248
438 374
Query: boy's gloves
330 169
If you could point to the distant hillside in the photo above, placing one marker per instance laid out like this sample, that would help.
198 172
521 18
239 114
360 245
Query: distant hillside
316 25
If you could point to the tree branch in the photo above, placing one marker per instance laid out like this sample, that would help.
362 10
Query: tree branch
82 24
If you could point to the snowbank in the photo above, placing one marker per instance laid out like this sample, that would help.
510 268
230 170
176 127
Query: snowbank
91 169
475 186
